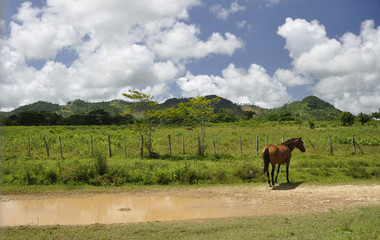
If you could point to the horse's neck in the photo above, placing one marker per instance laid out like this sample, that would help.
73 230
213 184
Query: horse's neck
291 145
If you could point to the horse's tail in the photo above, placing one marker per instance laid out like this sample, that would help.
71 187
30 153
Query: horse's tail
266 160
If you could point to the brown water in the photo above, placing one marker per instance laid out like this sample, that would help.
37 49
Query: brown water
113 208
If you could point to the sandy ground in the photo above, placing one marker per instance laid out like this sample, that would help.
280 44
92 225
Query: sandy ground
285 199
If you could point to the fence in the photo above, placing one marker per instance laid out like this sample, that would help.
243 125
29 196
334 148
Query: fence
179 145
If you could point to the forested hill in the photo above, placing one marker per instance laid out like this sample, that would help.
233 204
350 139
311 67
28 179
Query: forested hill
113 107
309 107
223 103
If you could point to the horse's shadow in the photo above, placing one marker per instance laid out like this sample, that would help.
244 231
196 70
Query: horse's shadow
288 186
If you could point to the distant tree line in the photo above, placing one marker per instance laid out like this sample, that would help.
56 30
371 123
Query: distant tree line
96 117
33 118
103 117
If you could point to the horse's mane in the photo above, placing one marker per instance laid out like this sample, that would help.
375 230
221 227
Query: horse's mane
290 140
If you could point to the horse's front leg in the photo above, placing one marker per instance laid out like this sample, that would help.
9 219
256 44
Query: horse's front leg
287 171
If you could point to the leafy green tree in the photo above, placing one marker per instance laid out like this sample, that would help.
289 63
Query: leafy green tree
199 110
285 116
149 116
376 114
347 118
363 118
272 117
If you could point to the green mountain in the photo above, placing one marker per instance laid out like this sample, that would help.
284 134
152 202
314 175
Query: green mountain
224 104
39 106
114 107
309 107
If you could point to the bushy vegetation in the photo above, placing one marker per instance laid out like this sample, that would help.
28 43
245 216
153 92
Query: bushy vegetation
96 117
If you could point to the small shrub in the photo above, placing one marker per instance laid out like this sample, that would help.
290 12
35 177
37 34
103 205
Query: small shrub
100 163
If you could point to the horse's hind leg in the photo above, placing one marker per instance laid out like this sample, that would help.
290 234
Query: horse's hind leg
272 173
268 179
287 171
278 170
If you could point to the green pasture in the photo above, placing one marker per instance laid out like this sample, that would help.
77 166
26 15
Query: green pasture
86 159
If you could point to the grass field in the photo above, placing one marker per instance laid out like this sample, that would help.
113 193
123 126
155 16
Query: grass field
350 223
231 164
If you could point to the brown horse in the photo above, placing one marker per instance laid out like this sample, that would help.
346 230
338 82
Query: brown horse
280 154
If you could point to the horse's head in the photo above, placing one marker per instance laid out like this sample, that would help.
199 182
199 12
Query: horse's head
299 145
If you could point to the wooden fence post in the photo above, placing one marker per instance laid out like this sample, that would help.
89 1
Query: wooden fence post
92 147
353 143
29 147
109 146
331 147
359 147
60 147
47 148
257 145
311 145
170 146
282 138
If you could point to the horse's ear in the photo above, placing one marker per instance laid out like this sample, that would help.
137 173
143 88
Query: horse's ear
301 138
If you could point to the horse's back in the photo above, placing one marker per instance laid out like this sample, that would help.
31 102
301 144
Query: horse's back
273 151
277 154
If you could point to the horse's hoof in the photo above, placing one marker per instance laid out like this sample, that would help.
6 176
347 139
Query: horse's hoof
273 188
270 185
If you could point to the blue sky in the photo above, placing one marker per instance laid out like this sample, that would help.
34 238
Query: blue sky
262 52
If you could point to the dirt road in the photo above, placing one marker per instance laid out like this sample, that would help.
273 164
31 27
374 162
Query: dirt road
262 200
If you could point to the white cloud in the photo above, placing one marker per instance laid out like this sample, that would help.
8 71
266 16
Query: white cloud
254 86
241 24
347 69
224 13
289 78
272 2
116 45
182 42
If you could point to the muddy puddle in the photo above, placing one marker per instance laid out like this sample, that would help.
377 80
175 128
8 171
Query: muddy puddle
109 208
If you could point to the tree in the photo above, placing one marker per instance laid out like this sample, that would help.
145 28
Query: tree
347 118
363 118
148 115
199 110
272 117
285 116
376 115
